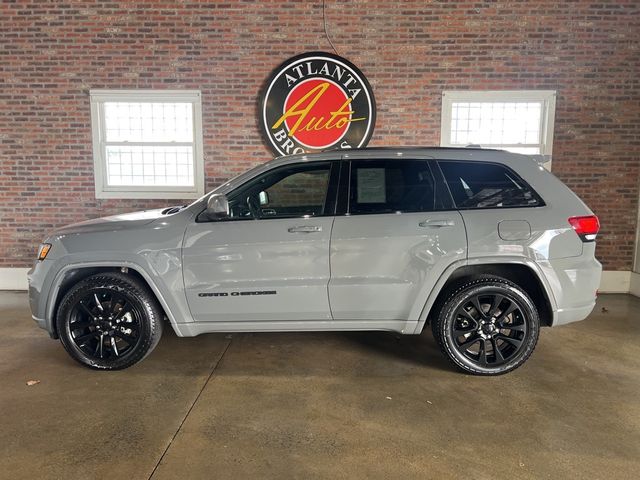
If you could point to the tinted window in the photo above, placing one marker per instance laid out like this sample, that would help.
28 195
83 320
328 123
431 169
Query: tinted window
388 186
487 185
285 192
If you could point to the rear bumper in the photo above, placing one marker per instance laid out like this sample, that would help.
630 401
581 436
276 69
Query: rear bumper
570 315
574 282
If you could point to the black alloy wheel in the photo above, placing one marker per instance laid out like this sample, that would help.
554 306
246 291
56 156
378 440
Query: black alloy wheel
488 326
104 325
109 321
489 329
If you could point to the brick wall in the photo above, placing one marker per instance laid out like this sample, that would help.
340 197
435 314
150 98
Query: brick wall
52 53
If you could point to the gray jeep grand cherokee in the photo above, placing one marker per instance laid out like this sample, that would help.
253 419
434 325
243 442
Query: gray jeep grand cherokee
486 246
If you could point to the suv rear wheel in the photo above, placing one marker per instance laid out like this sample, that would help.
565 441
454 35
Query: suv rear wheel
109 321
488 326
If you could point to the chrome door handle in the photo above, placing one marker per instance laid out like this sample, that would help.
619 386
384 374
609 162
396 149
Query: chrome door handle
437 223
305 229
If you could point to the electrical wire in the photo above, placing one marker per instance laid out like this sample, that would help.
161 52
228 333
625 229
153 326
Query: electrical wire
324 24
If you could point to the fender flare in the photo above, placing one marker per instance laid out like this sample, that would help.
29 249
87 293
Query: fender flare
478 261
54 291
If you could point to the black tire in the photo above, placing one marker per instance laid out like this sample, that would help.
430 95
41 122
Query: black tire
109 321
487 326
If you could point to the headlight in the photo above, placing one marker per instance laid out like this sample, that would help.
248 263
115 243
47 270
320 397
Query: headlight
43 251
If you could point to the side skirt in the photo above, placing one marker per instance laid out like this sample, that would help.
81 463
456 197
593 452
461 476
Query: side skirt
197 328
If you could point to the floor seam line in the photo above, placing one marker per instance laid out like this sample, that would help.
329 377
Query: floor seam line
215 367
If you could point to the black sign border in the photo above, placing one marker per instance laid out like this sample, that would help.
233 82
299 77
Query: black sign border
286 64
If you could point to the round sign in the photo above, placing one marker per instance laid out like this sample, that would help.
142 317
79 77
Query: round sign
317 101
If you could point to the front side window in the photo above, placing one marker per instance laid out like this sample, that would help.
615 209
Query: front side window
286 192
147 144
487 185
390 186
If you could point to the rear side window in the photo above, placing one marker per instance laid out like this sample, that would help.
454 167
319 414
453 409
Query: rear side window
389 186
487 185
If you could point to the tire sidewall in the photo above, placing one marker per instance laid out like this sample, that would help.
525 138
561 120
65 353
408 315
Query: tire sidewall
487 287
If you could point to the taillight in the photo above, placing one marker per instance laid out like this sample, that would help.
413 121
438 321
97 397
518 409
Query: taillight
586 227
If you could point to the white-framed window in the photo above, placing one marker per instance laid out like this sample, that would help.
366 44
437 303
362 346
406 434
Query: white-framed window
147 143
520 121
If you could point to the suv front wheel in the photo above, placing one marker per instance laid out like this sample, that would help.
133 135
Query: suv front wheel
109 321
488 326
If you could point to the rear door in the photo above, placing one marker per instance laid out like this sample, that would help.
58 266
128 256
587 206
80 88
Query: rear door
397 236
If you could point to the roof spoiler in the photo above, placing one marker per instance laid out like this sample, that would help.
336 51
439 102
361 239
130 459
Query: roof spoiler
538 158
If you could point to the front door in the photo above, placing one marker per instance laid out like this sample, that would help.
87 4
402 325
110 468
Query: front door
399 235
270 260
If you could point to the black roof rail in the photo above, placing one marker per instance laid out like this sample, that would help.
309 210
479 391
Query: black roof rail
413 147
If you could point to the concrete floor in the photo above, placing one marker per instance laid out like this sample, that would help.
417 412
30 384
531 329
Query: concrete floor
323 405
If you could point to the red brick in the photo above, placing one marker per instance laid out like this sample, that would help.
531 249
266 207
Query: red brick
52 53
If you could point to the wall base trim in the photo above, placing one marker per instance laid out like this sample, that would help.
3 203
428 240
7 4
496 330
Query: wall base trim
634 288
615 281
611 282
13 278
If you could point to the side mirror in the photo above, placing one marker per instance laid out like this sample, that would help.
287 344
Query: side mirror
218 206
264 198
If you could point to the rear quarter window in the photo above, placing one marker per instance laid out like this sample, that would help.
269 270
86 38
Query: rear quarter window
487 185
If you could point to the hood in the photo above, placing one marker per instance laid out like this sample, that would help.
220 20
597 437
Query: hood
112 223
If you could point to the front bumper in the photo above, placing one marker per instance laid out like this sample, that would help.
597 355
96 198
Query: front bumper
39 321
40 279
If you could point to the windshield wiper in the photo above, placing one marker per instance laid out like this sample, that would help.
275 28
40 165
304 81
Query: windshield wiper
171 210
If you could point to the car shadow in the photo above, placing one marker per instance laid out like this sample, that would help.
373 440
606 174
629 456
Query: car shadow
420 350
